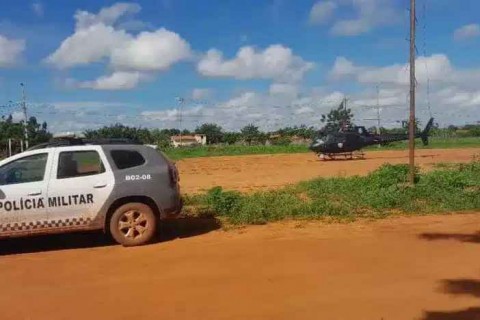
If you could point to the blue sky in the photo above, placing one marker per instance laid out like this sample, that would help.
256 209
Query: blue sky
271 63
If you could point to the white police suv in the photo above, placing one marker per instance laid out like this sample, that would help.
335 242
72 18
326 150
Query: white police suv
73 184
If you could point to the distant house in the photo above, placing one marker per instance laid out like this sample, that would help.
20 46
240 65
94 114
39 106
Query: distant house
300 140
188 140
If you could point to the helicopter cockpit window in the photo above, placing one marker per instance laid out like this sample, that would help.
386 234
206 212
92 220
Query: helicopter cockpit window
329 138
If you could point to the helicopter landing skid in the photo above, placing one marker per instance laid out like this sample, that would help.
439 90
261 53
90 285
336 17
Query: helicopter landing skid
342 156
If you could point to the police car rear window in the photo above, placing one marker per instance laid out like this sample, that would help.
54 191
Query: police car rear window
124 159
78 164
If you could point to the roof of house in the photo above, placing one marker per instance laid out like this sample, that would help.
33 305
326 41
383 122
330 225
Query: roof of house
183 138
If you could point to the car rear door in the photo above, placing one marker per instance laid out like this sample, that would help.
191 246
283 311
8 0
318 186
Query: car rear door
23 191
80 183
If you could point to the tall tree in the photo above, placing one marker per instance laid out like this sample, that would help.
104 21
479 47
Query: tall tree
120 131
231 137
213 132
251 133
37 133
338 117
161 138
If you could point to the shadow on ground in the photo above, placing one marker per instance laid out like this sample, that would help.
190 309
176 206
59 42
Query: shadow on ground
472 238
168 230
468 314
187 227
466 287
469 287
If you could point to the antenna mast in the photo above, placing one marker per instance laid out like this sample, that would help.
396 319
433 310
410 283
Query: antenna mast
24 109
411 128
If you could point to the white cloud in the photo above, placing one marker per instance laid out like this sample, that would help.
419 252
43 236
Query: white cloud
452 92
369 14
87 45
322 12
172 115
201 93
119 80
87 104
275 62
284 90
101 37
246 99
304 110
106 16
10 50
466 32
343 68
268 110
37 8
151 51
18 116
436 68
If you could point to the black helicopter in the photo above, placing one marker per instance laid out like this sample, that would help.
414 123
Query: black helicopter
346 142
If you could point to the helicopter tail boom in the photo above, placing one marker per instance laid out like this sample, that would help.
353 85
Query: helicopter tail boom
424 134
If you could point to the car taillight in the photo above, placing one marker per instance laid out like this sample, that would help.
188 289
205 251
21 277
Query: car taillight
173 172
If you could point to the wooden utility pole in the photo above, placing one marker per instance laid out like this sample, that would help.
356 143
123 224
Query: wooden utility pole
180 106
378 111
411 127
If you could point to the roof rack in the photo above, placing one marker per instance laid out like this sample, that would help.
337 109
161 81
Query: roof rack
73 141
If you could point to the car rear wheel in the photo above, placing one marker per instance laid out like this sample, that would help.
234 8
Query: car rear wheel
133 224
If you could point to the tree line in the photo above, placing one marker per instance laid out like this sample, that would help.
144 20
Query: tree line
215 134
334 120
15 132
249 134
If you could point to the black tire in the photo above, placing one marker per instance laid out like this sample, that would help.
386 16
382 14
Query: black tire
133 224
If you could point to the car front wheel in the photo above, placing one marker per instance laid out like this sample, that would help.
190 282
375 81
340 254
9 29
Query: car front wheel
133 224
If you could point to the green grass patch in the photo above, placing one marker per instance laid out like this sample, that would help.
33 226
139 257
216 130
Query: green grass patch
236 150
383 192
231 150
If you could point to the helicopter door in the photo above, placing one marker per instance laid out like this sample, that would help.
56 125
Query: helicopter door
352 142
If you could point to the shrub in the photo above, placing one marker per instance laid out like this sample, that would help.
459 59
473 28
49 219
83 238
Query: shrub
382 192
222 202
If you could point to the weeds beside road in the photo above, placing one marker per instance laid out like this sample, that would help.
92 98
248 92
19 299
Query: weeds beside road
381 193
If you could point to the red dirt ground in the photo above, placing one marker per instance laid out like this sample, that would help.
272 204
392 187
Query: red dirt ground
425 268
401 268
247 173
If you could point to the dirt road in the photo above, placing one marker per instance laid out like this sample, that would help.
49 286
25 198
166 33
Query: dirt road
424 268
247 173
403 268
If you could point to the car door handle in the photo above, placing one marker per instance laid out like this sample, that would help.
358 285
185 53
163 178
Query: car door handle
37 193
100 185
